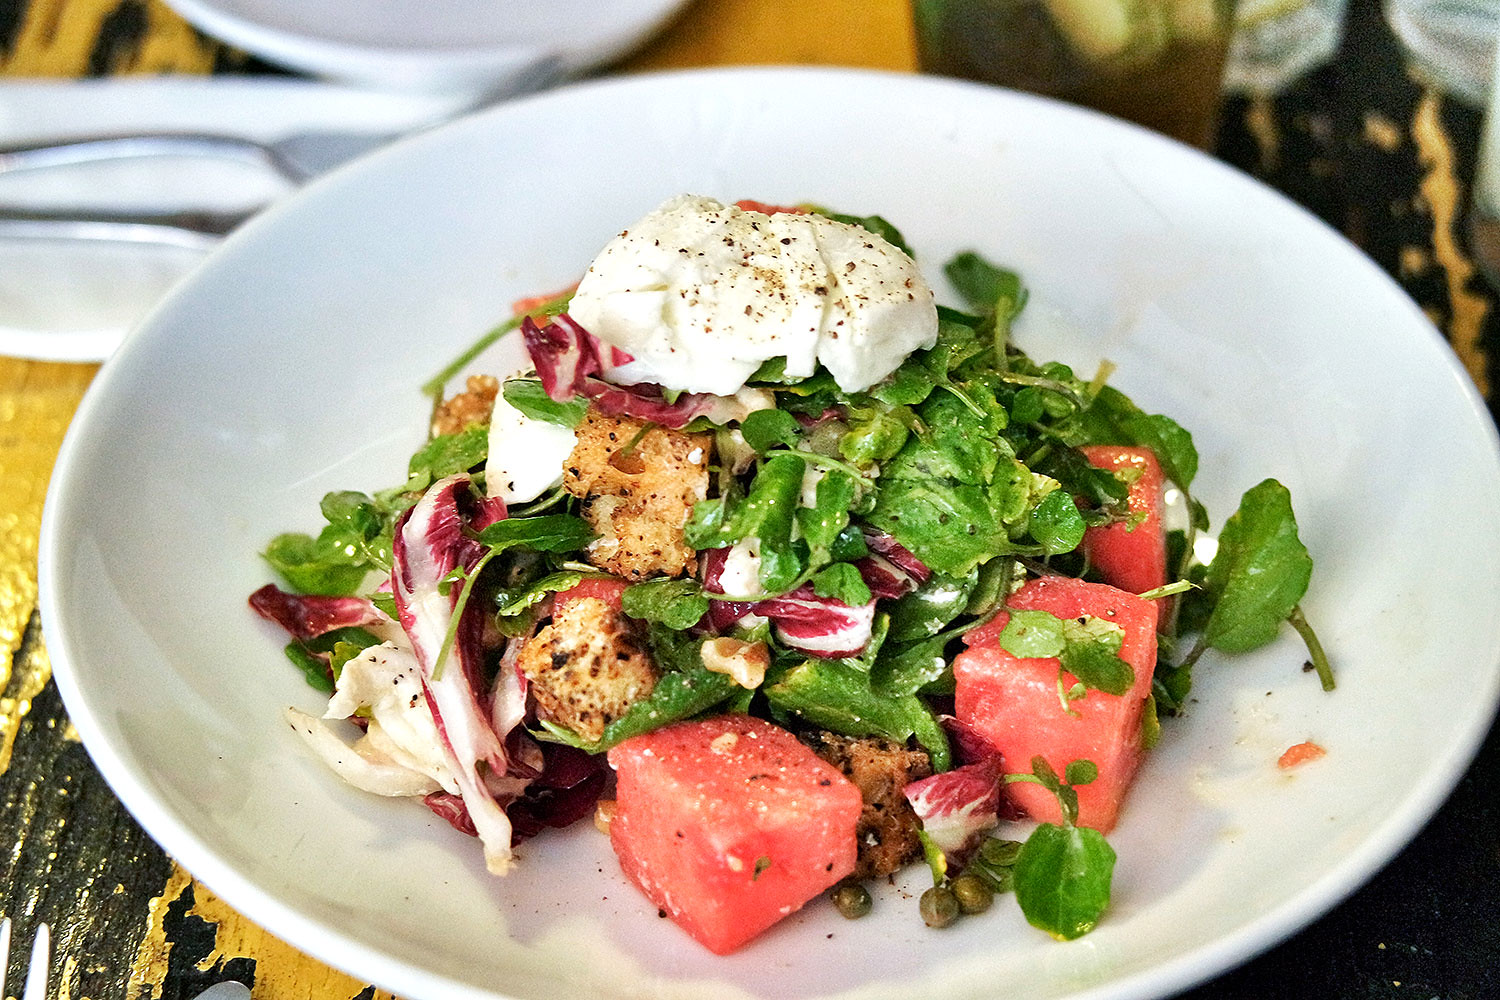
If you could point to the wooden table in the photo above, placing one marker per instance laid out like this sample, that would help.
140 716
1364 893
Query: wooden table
1375 153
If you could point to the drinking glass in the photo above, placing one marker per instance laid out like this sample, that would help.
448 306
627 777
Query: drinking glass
1155 62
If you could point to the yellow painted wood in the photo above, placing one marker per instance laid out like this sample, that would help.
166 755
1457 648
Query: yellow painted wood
59 38
871 33
36 402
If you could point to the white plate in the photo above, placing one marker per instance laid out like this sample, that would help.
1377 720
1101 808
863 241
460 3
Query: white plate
1286 351
71 300
496 46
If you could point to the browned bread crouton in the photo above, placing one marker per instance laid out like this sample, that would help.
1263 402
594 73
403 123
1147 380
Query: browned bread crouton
638 491
887 829
587 667
472 406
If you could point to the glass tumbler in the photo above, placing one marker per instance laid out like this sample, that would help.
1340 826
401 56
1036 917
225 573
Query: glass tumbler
1155 62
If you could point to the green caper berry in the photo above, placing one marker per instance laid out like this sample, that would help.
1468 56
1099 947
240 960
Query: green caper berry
972 893
939 907
852 900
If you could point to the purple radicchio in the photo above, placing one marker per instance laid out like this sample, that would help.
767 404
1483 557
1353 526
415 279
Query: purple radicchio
958 807
818 626
890 570
307 616
432 551
569 360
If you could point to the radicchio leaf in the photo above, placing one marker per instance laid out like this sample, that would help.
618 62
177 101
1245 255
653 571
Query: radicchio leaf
890 570
819 626
569 361
430 544
307 616
958 807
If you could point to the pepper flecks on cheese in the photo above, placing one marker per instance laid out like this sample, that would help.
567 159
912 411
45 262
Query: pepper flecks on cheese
700 294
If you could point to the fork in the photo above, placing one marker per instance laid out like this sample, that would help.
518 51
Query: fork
36 970
294 158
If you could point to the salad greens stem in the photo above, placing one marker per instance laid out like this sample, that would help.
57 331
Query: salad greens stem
1050 384
540 504
434 386
816 458
458 613
963 397
1314 648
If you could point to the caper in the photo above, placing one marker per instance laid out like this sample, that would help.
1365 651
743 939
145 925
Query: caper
972 893
939 907
852 900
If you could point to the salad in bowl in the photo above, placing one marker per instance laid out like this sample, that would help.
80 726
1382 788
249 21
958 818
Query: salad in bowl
787 576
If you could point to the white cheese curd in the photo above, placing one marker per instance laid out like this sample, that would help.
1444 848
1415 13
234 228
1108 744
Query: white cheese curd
526 456
700 294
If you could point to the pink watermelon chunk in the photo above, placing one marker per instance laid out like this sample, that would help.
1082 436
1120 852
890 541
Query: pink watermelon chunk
1132 557
729 824
1014 702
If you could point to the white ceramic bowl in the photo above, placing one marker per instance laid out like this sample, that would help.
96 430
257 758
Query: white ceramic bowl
480 46
289 366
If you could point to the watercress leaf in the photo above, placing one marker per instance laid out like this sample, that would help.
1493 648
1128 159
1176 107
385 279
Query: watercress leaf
849 545
528 396
935 603
709 525
958 444
1026 406
1043 773
874 437
908 385
1032 634
1097 666
677 604
514 601
764 429
826 520
1056 524
951 528
314 670
984 286
1081 772
321 565
907 668
841 582
768 512
1062 879
448 454
839 698
1260 572
1111 418
541 533
992 588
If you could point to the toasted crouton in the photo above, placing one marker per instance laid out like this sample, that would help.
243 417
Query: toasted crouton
587 667
887 829
638 491
472 406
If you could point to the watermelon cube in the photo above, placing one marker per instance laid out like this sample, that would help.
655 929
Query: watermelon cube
1132 557
1016 705
729 824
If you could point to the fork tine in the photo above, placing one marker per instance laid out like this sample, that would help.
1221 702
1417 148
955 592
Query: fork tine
37 971
4 952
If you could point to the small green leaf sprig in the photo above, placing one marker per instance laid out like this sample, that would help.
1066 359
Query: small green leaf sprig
1063 872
